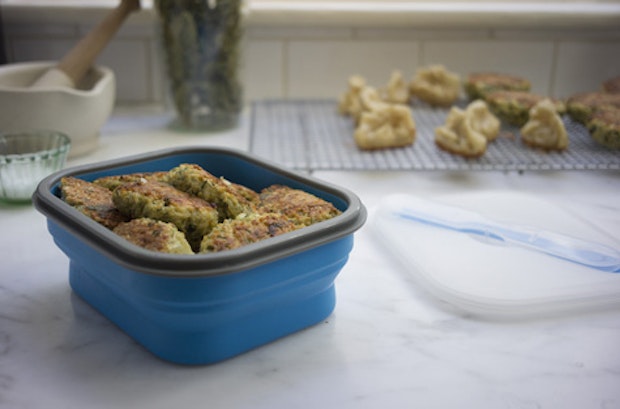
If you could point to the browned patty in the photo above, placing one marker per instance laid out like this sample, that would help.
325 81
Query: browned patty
112 182
513 107
234 233
611 85
192 215
300 207
604 126
478 85
581 106
231 199
154 235
92 200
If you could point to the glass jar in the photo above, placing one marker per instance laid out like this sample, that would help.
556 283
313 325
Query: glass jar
201 40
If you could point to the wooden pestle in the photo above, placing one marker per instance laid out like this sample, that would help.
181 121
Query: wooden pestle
72 67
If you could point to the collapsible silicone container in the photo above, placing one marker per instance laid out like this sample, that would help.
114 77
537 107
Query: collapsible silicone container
204 308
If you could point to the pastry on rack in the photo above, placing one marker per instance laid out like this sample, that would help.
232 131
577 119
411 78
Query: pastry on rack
349 102
386 126
396 91
459 137
545 128
604 126
513 107
370 101
436 85
481 119
480 84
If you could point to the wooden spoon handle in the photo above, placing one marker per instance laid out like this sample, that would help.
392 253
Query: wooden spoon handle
75 63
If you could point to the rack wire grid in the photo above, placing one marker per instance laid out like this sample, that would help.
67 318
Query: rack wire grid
311 135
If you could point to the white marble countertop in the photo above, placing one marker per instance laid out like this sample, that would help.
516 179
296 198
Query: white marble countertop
387 345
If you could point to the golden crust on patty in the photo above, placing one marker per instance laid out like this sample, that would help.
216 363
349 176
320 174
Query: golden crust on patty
581 106
478 85
92 200
302 208
154 235
234 233
612 85
513 107
229 198
192 215
114 181
604 127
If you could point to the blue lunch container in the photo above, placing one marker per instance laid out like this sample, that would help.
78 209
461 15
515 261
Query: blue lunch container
204 308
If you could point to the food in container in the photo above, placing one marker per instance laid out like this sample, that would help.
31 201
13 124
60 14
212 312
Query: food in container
204 308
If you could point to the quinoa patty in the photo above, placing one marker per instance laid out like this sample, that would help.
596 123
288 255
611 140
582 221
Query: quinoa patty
193 216
154 235
611 85
234 233
581 106
479 85
513 107
229 198
300 207
92 200
114 181
604 127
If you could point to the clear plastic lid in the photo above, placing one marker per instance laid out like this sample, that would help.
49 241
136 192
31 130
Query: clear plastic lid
488 277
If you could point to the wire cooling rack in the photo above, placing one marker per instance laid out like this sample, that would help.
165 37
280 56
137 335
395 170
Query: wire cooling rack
312 135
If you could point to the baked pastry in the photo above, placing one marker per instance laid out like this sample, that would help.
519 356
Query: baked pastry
349 103
396 90
458 137
386 126
435 85
612 85
234 233
581 106
545 128
192 215
478 85
370 100
481 119
92 200
298 206
230 199
154 235
513 107
604 126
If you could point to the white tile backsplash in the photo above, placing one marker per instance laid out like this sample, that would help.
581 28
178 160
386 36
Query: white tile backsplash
320 69
262 69
581 65
315 62
529 59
